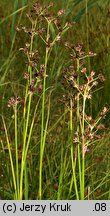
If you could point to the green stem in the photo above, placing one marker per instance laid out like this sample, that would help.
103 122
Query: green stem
83 150
27 109
42 142
11 159
16 149
24 148
78 130
73 160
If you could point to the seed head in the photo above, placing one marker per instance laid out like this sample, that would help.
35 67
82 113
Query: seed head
84 70
61 12
58 38
13 102
26 76
92 73
40 88
101 77
91 54
95 83
103 112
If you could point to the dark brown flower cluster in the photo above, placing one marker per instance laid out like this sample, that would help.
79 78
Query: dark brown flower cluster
37 8
14 101
93 128
33 56
92 133
78 83
77 51
39 18
103 112
77 78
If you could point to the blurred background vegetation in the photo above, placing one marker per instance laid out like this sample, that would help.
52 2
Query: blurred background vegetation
92 29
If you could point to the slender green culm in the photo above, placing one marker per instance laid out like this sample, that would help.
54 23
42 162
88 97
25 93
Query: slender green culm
54 100
42 143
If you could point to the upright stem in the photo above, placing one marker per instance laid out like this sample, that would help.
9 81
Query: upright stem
16 150
11 159
24 147
73 160
26 118
83 149
42 142
78 129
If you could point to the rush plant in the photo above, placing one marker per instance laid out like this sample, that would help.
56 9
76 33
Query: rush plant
35 77
84 130
52 131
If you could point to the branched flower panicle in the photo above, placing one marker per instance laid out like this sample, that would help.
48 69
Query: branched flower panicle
40 18
78 84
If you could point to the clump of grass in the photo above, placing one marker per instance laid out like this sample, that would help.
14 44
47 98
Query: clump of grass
84 130
35 77
41 144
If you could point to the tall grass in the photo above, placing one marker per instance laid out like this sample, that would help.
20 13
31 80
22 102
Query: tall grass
51 143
